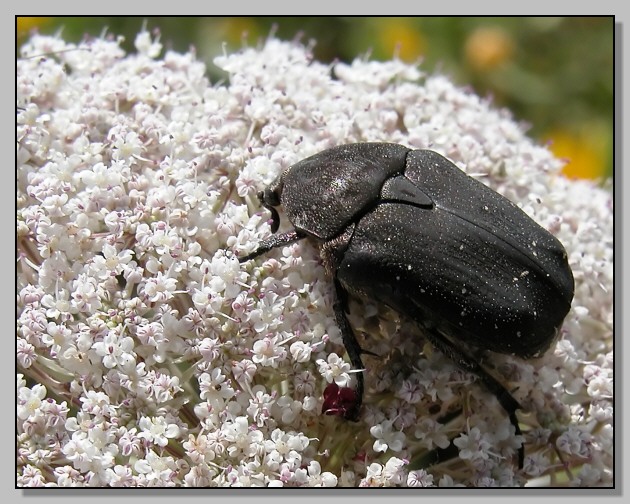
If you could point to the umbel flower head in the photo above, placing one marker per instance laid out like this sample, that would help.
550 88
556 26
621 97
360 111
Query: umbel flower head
148 356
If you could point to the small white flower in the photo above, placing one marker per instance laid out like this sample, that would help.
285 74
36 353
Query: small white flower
146 46
268 351
242 440
473 446
97 404
300 351
111 263
431 433
575 441
335 369
160 288
317 478
420 478
81 452
155 470
288 409
267 314
200 476
210 348
29 400
116 351
386 438
26 354
214 388
157 430
244 371
391 474
395 470
199 449
410 391
86 295
285 446
59 304
446 481
120 476
260 405
437 384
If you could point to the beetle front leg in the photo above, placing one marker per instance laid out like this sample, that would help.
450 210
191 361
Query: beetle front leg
273 242
352 346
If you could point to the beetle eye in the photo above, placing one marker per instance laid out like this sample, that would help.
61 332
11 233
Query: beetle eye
269 197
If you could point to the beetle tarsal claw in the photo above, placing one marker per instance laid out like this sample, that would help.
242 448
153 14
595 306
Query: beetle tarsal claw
517 431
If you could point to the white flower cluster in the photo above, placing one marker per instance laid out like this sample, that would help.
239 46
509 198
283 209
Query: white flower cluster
148 356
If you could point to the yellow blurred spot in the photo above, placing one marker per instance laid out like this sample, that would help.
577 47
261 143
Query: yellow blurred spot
398 36
488 47
585 152
26 23
236 28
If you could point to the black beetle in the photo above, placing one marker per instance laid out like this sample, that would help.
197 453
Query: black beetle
409 229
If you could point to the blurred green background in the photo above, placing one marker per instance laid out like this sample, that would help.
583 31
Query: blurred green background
554 73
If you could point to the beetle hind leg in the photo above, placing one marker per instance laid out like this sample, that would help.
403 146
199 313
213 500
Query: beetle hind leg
509 404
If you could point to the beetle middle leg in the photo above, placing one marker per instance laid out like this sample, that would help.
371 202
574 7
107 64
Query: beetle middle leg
509 404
